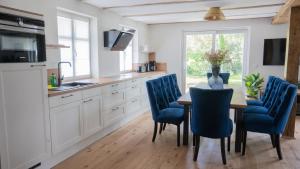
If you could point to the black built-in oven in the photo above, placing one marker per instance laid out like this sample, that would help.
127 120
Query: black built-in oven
22 39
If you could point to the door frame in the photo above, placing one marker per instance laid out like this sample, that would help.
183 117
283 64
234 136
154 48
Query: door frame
245 65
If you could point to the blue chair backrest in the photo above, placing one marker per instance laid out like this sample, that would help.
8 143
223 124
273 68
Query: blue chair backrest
168 88
283 111
224 76
210 112
175 87
270 101
157 97
269 86
277 98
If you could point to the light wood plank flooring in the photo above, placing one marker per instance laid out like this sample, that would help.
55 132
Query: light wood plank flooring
131 148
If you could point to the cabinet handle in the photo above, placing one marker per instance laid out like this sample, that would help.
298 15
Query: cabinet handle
38 65
133 87
114 85
86 101
133 101
115 92
67 96
116 108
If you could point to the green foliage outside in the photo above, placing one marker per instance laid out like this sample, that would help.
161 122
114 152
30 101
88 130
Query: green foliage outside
198 45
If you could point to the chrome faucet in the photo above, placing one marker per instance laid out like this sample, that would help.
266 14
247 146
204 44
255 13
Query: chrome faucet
59 77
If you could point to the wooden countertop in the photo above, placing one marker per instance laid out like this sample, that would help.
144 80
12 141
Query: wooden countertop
105 81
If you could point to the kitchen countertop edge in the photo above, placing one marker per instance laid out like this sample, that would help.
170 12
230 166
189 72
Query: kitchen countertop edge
105 81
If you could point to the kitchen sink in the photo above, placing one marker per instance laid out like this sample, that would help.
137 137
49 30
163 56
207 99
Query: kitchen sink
69 86
75 84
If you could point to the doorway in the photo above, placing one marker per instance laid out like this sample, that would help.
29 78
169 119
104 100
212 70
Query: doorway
196 44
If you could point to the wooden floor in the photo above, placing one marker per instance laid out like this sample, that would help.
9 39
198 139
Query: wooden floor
131 148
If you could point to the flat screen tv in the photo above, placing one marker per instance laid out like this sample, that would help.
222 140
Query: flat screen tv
274 51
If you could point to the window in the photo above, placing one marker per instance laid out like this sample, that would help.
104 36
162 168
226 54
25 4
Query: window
74 31
126 58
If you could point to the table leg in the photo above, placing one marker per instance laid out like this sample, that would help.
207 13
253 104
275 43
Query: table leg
186 125
238 130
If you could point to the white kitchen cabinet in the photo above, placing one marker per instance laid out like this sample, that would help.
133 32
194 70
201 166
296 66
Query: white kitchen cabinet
113 115
133 105
24 115
92 115
66 126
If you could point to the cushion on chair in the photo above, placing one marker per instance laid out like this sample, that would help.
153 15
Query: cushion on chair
256 109
262 123
254 103
210 112
269 87
157 97
168 88
175 88
171 115
175 104
271 100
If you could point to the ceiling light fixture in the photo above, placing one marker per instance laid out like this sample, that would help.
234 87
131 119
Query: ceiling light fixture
214 14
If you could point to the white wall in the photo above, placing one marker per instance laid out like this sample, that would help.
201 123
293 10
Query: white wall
166 40
107 62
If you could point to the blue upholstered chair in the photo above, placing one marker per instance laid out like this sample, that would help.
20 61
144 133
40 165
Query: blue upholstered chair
175 87
268 104
210 116
161 112
171 94
266 94
224 76
274 122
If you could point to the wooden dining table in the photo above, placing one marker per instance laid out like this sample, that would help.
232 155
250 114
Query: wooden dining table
238 103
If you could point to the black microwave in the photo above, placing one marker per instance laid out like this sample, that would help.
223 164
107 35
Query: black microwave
22 39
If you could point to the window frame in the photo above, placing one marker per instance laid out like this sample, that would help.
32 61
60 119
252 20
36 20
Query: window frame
73 16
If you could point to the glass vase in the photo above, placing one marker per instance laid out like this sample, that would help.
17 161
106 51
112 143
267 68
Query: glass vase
215 81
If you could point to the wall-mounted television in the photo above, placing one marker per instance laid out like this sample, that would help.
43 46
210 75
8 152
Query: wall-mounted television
274 51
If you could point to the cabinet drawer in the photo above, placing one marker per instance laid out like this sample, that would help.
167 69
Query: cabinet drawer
113 115
133 91
114 98
91 92
132 82
65 99
112 87
133 105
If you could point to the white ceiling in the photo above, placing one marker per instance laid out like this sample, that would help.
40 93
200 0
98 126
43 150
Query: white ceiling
170 11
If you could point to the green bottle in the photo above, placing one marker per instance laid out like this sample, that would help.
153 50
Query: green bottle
53 81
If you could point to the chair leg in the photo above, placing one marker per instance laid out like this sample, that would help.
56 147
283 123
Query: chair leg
228 143
278 148
244 142
178 135
223 150
194 140
160 127
273 140
155 131
196 151
164 126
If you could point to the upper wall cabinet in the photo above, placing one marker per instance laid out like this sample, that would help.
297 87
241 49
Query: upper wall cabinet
24 115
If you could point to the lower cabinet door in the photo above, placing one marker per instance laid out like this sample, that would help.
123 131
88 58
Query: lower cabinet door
113 115
91 115
66 122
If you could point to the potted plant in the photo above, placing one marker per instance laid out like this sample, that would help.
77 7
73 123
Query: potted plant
216 59
253 83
